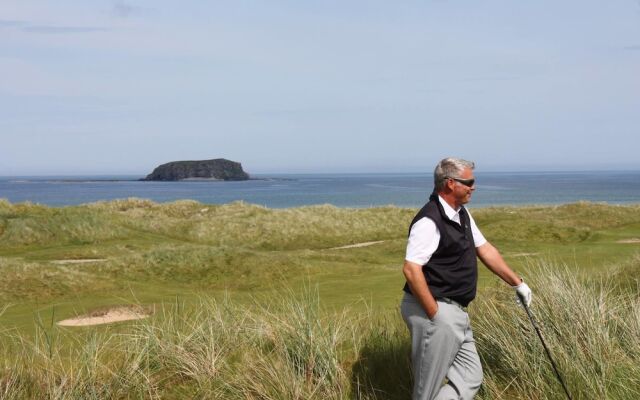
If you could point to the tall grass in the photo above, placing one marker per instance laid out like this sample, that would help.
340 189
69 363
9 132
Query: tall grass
240 246
292 348
26 224
592 329
271 349
567 223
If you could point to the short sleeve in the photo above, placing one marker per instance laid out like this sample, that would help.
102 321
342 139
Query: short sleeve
424 238
478 237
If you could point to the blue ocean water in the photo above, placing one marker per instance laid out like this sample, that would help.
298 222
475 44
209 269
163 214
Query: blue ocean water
343 190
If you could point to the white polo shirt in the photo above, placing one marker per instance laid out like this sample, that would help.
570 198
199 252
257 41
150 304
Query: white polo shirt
425 236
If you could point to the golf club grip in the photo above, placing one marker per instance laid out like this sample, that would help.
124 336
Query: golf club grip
546 349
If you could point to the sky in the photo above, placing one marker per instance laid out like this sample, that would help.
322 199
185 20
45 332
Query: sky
119 87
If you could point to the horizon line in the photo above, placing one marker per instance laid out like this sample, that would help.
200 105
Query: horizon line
376 172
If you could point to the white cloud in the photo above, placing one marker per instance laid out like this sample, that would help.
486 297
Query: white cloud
122 9
62 29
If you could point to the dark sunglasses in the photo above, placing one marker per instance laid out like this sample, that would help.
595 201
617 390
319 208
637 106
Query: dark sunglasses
466 182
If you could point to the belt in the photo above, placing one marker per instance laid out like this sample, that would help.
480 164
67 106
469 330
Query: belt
452 302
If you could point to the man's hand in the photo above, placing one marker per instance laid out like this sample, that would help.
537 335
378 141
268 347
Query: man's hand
523 293
419 288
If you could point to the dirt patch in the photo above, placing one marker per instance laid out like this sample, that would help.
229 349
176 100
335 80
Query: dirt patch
107 316
631 240
79 261
352 246
522 254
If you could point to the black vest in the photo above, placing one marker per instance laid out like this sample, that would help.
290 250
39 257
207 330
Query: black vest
452 270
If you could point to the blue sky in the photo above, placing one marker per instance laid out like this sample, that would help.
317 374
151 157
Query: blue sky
118 87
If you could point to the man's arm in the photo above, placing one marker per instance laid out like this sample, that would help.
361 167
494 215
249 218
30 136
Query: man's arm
419 288
490 256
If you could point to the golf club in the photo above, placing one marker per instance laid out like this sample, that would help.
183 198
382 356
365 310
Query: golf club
546 349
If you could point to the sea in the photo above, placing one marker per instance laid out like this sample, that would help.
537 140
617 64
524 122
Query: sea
342 190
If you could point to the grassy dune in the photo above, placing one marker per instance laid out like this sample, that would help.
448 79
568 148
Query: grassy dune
259 303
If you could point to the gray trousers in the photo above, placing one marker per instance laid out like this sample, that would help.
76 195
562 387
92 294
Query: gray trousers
442 347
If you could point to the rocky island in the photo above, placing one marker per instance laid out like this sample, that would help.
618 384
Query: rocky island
218 169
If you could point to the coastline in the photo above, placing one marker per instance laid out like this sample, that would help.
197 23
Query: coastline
470 206
341 190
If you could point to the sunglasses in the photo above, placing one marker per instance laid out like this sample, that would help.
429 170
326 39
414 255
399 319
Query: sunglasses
466 182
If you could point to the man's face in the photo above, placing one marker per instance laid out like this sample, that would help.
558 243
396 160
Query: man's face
462 192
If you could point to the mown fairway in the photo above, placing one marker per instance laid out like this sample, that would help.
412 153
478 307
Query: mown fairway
57 263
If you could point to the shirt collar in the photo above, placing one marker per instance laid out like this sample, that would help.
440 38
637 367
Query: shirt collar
451 213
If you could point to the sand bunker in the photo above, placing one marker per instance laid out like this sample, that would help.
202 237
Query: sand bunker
79 261
351 246
108 316
631 240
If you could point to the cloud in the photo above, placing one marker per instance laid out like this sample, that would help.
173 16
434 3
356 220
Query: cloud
122 10
634 47
62 29
25 26
492 78
5 23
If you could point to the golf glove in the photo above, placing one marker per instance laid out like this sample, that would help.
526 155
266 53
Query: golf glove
523 293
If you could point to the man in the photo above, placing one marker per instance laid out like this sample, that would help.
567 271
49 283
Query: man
441 272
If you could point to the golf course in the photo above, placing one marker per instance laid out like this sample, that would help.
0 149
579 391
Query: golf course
133 299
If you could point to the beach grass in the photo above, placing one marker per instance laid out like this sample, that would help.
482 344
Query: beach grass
289 346
251 302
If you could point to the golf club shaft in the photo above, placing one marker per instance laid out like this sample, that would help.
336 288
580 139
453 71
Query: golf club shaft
546 349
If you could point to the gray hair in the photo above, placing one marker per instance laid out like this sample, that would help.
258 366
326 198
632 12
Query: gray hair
449 167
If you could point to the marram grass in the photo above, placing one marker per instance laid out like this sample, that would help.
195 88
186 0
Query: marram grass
292 344
592 329
175 247
290 347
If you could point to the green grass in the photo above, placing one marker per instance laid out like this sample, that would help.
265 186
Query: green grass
216 275
153 251
592 328
290 346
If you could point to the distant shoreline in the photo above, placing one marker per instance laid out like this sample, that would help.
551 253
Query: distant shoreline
340 190
44 180
277 175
